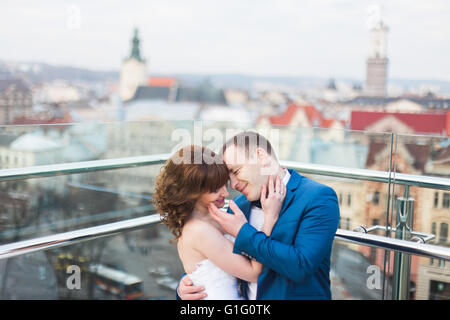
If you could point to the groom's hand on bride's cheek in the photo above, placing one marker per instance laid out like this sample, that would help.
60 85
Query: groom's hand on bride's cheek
232 223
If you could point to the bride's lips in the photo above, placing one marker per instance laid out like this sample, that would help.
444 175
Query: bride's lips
220 201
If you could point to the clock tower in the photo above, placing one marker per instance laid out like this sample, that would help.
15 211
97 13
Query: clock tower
377 61
133 72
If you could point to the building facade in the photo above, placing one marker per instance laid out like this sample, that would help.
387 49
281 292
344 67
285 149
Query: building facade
15 100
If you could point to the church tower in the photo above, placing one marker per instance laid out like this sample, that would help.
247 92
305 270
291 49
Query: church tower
133 72
377 61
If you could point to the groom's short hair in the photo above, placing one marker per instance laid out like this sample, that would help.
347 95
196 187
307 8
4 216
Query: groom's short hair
249 141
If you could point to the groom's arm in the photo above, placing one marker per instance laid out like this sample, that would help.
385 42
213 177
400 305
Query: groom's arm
313 241
187 291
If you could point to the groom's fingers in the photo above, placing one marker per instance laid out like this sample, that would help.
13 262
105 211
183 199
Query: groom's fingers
187 291
193 289
216 213
278 185
271 186
263 196
186 281
235 208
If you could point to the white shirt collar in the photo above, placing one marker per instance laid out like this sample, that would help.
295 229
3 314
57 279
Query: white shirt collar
287 176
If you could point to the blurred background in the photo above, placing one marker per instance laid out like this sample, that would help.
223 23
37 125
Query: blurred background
354 84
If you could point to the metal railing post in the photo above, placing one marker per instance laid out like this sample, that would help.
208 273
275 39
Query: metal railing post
402 261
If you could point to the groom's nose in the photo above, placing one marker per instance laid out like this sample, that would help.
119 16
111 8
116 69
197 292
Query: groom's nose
233 181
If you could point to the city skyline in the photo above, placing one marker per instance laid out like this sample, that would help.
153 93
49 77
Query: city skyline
324 38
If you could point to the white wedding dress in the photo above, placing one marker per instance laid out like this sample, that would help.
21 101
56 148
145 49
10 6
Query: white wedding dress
218 284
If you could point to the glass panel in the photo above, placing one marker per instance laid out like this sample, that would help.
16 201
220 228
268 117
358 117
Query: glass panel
430 214
36 207
356 276
140 264
43 206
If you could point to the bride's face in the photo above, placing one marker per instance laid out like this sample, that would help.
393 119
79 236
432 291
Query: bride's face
217 197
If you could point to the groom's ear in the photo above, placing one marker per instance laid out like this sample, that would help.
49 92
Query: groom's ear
267 164
263 158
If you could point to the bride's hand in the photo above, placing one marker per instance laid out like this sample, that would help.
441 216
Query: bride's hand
272 197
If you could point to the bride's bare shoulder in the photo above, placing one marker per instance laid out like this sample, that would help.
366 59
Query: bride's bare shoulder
197 227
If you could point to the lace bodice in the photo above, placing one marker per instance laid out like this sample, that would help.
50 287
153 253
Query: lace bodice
219 285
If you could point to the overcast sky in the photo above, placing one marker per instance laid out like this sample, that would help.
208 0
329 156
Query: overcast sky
323 38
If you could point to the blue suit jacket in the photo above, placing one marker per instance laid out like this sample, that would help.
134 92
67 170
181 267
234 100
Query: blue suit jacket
296 257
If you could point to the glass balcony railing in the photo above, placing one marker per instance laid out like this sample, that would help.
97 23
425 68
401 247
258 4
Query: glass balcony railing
78 198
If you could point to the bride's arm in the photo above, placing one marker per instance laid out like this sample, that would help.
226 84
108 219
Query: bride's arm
211 243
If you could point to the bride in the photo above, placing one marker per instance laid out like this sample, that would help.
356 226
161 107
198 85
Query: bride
186 188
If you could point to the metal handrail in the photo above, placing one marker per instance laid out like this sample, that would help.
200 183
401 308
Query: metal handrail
80 167
411 247
122 163
72 237
370 175
81 235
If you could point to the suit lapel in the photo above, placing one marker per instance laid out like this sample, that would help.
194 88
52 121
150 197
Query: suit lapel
292 185
246 208
244 205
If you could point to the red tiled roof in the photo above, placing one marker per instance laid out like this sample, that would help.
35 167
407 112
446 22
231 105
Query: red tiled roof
327 123
42 120
286 117
315 118
161 81
431 123
448 124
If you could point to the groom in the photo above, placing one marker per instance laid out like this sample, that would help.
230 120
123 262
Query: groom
296 256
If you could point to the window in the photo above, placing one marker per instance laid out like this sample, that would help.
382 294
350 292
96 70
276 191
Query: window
446 200
376 197
436 199
439 290
349 200
443 234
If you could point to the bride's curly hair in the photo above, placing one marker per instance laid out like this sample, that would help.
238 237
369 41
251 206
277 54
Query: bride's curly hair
188 174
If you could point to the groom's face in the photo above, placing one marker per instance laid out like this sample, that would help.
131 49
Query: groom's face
245 173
